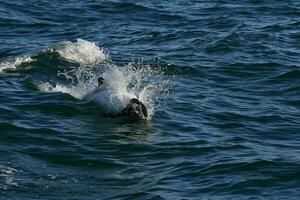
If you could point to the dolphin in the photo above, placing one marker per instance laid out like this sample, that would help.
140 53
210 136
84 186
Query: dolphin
134 109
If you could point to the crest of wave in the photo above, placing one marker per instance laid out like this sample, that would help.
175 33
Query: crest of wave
13 63
81 51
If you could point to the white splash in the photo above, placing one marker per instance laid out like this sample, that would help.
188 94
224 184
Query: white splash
81 51
15 62
83 82
121 84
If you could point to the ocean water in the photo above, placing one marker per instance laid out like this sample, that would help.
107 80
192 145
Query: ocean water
220 79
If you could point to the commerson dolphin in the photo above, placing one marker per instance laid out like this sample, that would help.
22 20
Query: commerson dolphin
134 109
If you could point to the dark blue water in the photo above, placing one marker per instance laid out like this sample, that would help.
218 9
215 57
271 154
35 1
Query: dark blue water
225 123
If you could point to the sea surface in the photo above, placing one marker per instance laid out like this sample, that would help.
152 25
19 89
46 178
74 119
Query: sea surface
220 80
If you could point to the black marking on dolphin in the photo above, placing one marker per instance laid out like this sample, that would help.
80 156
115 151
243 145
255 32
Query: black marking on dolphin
135 109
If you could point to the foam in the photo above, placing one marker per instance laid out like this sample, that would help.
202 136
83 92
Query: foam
15 62
81 51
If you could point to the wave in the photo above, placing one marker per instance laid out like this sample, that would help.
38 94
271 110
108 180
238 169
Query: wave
81 51
13 63
225 44
291 75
